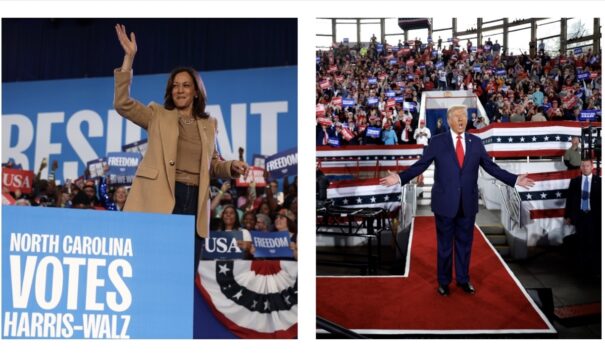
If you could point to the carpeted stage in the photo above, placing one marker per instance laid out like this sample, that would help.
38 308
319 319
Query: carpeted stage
411 306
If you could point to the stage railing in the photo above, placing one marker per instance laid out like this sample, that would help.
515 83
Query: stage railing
511 201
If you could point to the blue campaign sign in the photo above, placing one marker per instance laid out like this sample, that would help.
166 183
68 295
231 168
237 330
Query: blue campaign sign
588 115
411 106
373 132
399 99
73 121
410 77
439 65
123 166
348 102
69 273
389 93
474 49
422 66
435 53
392 61
271 244
372 100
282 164
333 141
477 68
501 72
372 80
222 246
317 60
582 76
577 51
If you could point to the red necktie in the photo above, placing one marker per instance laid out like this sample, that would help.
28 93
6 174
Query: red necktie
459 151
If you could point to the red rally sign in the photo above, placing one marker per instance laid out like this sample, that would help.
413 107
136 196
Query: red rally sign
17 180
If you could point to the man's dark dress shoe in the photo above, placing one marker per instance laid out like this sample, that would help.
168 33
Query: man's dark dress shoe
467 287
443 290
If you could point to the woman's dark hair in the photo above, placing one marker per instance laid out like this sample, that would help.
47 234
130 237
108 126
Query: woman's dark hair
236 224
200 99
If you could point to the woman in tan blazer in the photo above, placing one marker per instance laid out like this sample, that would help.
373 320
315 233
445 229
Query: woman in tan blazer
174 176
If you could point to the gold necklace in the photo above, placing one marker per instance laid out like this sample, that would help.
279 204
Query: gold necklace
187 121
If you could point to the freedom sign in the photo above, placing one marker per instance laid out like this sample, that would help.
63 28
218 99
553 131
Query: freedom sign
123 166
97 274
223 246
271 244
14 180
282 164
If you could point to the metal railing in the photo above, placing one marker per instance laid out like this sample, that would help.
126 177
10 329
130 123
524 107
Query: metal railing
511 201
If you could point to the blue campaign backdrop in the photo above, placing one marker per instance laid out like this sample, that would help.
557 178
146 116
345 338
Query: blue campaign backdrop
73 121
160 282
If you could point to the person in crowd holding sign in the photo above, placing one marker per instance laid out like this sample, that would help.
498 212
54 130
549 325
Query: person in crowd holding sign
175 173
457 156
230 222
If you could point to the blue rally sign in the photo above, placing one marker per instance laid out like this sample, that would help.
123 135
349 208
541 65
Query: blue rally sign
589 115
373 132
372 100
123 166
80 274
271 244
372 80
348 102
282 164
582 76
223 246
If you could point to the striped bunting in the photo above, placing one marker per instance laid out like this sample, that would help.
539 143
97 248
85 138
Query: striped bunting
367 158
528 139
365 193
546 199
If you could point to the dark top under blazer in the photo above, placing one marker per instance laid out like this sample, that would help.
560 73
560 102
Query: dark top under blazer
453 183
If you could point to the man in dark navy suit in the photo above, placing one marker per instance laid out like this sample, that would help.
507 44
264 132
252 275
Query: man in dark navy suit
583 210
454 201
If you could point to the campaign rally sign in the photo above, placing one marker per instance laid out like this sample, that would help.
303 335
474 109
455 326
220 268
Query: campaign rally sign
86 274
348 102
337 101
583 76
391 103
14 180
410 62
399 99
411 106
477 68
223 246
282 164
333 141
372 100
379 47
372 80
577 51
589 115
435 53
123 166
410 77
258 160
501 72
96 167
439 65
271 244
139 146
392 61
389 94
255 174
373 132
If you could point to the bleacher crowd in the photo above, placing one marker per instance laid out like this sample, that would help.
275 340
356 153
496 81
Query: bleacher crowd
371 94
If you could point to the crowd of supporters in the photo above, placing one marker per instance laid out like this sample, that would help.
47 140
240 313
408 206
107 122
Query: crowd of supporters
371 94
233 208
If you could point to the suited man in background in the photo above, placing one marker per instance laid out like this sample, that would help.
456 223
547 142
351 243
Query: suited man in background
583 210
457 156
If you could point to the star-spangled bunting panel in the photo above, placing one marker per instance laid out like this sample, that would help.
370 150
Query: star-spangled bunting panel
365 193
368 158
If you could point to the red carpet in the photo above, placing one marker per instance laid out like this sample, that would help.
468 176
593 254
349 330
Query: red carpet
412 305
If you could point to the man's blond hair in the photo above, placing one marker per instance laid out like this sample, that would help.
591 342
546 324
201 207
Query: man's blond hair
457 107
